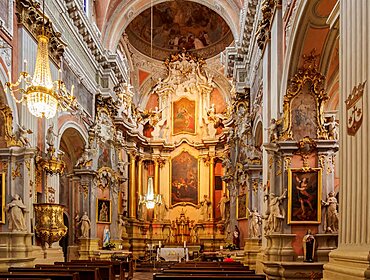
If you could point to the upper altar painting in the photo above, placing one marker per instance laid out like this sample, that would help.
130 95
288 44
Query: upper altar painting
180 25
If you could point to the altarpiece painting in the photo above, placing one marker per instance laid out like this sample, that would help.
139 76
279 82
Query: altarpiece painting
184 179
103 211
183 116
304 195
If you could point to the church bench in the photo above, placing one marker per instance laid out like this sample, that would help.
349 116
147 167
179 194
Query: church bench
105 270
208 269
210 264
205 272
85 273
119 267
62 275
174 276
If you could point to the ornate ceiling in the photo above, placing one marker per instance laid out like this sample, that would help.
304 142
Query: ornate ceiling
179 25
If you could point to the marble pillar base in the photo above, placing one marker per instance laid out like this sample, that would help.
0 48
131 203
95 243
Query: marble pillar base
251 249
208 236
351 262
15 250
292 270
138 232
87 248
326 243
48 255
279 247
73 253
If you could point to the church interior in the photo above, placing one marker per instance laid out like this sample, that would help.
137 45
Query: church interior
177 139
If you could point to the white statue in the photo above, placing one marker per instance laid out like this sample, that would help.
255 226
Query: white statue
222 205
121 227
141 208
15 210
85 225
332 127
255 222
331 221
277 214
273 130
50 136
161 209
205 208
106 236
85 159
21 135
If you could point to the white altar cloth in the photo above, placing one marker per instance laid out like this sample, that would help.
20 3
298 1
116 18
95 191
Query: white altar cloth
173 254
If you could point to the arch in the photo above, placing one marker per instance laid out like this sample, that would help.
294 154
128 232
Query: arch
126 12
74 125
258 132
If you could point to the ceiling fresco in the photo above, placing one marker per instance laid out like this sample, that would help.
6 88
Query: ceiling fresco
179 25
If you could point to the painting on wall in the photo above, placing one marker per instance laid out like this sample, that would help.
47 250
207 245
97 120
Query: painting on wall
184 179
241 207
304 117
104 159
183 116
304 195
103 211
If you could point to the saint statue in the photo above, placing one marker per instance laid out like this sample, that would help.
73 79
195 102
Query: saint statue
222 205
255 222
50 136
16 210
205 208
308 247
121 226
85 225
236 237
160 209
277 215
331 218
106 236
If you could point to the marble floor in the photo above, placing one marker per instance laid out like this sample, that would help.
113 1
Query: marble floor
143 276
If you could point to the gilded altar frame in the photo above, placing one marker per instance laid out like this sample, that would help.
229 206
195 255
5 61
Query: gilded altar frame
304 206
99 206
2 197
306 75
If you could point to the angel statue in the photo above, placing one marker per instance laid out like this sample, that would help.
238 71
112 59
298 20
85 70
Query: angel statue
85 159
21 135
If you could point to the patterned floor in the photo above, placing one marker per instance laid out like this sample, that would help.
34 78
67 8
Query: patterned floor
143 276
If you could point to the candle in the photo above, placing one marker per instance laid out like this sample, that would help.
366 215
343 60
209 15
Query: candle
184 244
159 244
10 76
221 247
25 65
60 74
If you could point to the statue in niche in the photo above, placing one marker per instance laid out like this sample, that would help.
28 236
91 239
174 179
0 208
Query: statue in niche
205 208
222 205
106 236
332 127
160 209
85 159
255 223
309 243
273 130
50 136
173 229
331 217
121 227
16 210
21 135
141 208
276 213
85 225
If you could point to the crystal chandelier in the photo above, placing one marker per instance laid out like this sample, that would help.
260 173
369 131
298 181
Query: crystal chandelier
43 96
150 199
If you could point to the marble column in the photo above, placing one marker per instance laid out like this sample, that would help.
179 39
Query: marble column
133 201
211 184
140 177
156 176
352 258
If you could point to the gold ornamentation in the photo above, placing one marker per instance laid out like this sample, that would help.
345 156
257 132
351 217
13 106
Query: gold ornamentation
16 172
85 190
306 146
355 108
4 166
50 163
279 168
306 75
264 25
27 163
10 138
107 178
49 226
255 185
322 161
287 162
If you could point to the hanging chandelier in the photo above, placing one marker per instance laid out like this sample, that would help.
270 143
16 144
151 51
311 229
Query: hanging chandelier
150 199
43 96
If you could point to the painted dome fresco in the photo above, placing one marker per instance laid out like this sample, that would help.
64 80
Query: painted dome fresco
180 25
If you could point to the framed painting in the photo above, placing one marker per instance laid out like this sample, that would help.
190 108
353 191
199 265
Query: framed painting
183 116
2 197
184 179
241 207
103 211
304 195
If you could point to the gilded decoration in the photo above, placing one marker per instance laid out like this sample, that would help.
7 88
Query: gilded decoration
305 88
7 116
49 225
2 196
16 171
306 146
107 178
355 108
29 14
264 25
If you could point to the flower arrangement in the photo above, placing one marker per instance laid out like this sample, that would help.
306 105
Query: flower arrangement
109 246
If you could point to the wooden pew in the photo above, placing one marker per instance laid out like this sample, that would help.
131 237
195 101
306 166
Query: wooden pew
85 273
161 276
119 267
208 271
105 270
62 275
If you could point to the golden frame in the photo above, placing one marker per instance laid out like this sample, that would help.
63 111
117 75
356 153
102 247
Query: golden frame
170 184
2 197
99 203
306 200
195 117
242 212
